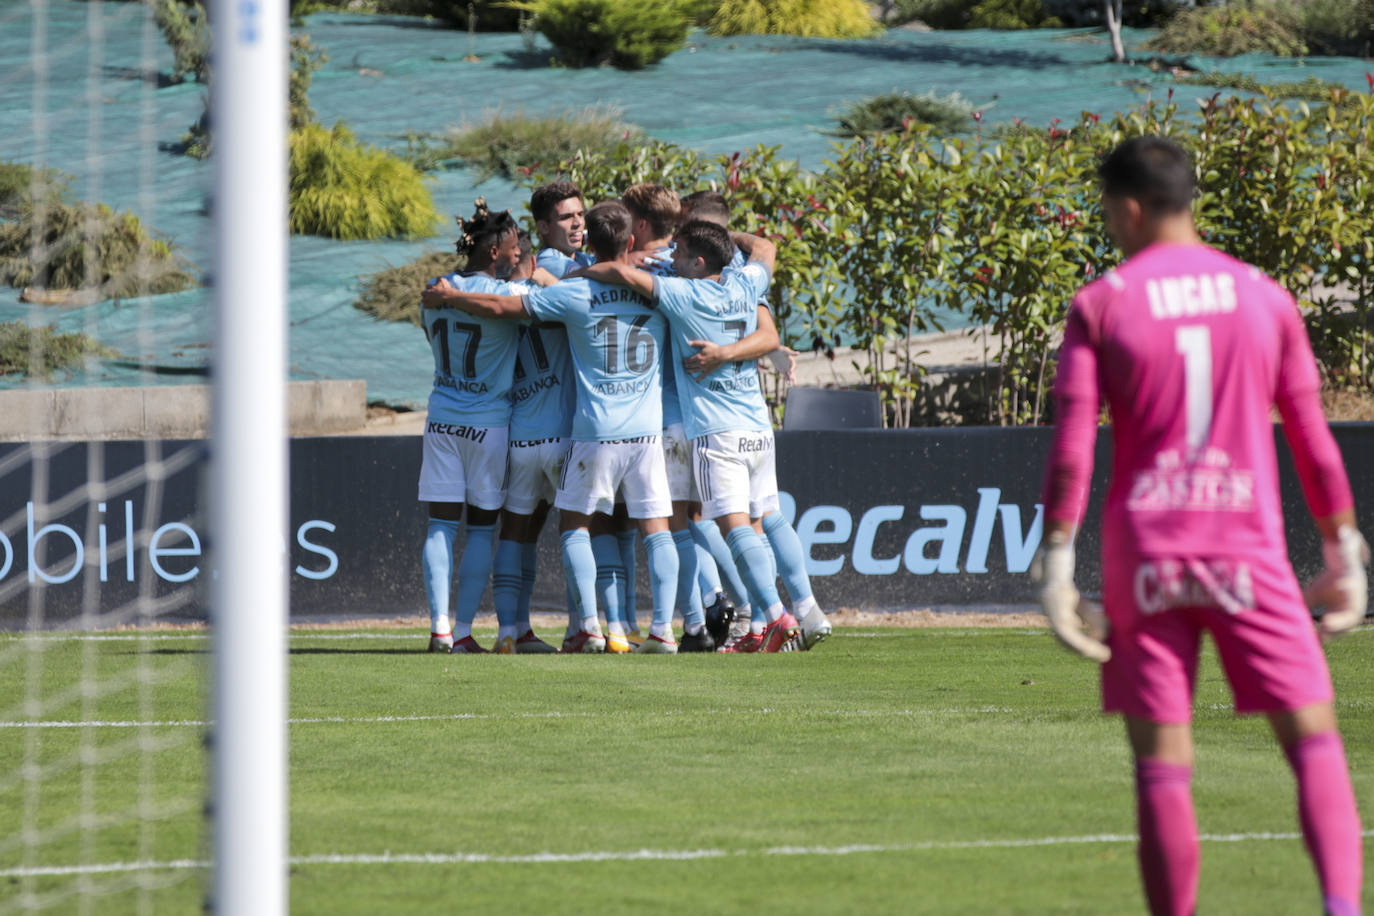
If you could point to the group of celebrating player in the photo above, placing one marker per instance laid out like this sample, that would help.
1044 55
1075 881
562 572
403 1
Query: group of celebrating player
621 386
658 334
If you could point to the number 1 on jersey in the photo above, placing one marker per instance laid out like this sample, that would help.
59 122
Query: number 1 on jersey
1194 343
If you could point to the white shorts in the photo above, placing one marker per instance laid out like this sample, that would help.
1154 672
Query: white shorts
464 464
535 468
735 473
593 471
677 458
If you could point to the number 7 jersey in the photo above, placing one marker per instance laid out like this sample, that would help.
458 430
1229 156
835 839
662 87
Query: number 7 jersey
474 359
1191 350
617 342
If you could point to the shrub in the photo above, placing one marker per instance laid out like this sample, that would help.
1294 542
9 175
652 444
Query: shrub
807 18
1238 28
895 110
393 294
938 14
1311 89
628 34
1011 14
509 144
345 190
63 246
1339 26
306 58
187 30
491 15
41 351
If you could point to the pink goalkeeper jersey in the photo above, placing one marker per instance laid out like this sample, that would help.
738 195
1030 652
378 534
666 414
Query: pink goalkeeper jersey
1191 349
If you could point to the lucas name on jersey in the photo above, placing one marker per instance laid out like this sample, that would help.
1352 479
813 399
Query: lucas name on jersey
1185 297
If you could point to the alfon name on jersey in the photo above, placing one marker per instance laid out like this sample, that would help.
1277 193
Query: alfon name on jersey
475 433
458 384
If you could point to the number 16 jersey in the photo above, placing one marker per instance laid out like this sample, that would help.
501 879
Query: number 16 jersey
617 342
474 359
1191 349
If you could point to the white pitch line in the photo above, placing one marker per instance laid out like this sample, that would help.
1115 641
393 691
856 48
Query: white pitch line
641 855
465 716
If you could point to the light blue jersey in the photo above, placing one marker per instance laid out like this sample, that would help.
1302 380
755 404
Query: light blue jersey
474 359
543 397
617 342
559 264
721 311
660 264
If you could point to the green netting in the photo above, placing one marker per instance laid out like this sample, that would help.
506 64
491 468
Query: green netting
387 76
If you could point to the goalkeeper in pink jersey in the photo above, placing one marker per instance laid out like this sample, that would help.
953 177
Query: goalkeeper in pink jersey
1191 349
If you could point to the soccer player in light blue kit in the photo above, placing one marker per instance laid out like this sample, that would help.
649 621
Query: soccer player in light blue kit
560 218
617 342
654 209
542 404
466 429
712 207
724 412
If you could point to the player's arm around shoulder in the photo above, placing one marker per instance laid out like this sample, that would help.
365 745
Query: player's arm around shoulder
756 250
444 295
616 273
762 341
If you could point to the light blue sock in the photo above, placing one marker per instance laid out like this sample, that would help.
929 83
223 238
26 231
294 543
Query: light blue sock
436 558
474 572
663 562
579 569
708 577
787 548
505 585
688 593
751 557
574 615
627 540
610 578
529 562
708 534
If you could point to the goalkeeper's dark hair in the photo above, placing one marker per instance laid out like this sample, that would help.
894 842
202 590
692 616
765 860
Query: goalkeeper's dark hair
484 231
706 240
708 205
608 229
1153 170
546 197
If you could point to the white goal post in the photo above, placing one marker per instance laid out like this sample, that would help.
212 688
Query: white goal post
248 474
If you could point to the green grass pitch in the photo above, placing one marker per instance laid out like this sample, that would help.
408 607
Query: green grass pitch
889 771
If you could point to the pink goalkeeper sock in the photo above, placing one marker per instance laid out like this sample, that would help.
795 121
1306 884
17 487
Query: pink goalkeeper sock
1168 849
1330 823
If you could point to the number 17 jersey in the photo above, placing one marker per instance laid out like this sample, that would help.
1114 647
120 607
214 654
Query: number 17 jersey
474 359
1191 349
617 342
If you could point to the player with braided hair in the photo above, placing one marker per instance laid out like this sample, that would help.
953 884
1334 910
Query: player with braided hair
467 429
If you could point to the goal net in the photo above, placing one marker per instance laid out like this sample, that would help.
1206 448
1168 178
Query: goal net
142 753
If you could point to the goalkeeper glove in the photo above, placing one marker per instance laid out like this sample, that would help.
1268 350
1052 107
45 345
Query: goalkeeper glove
1342 589
1079 624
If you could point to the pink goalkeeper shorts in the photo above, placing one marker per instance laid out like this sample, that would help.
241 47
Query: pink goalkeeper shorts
1254 610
